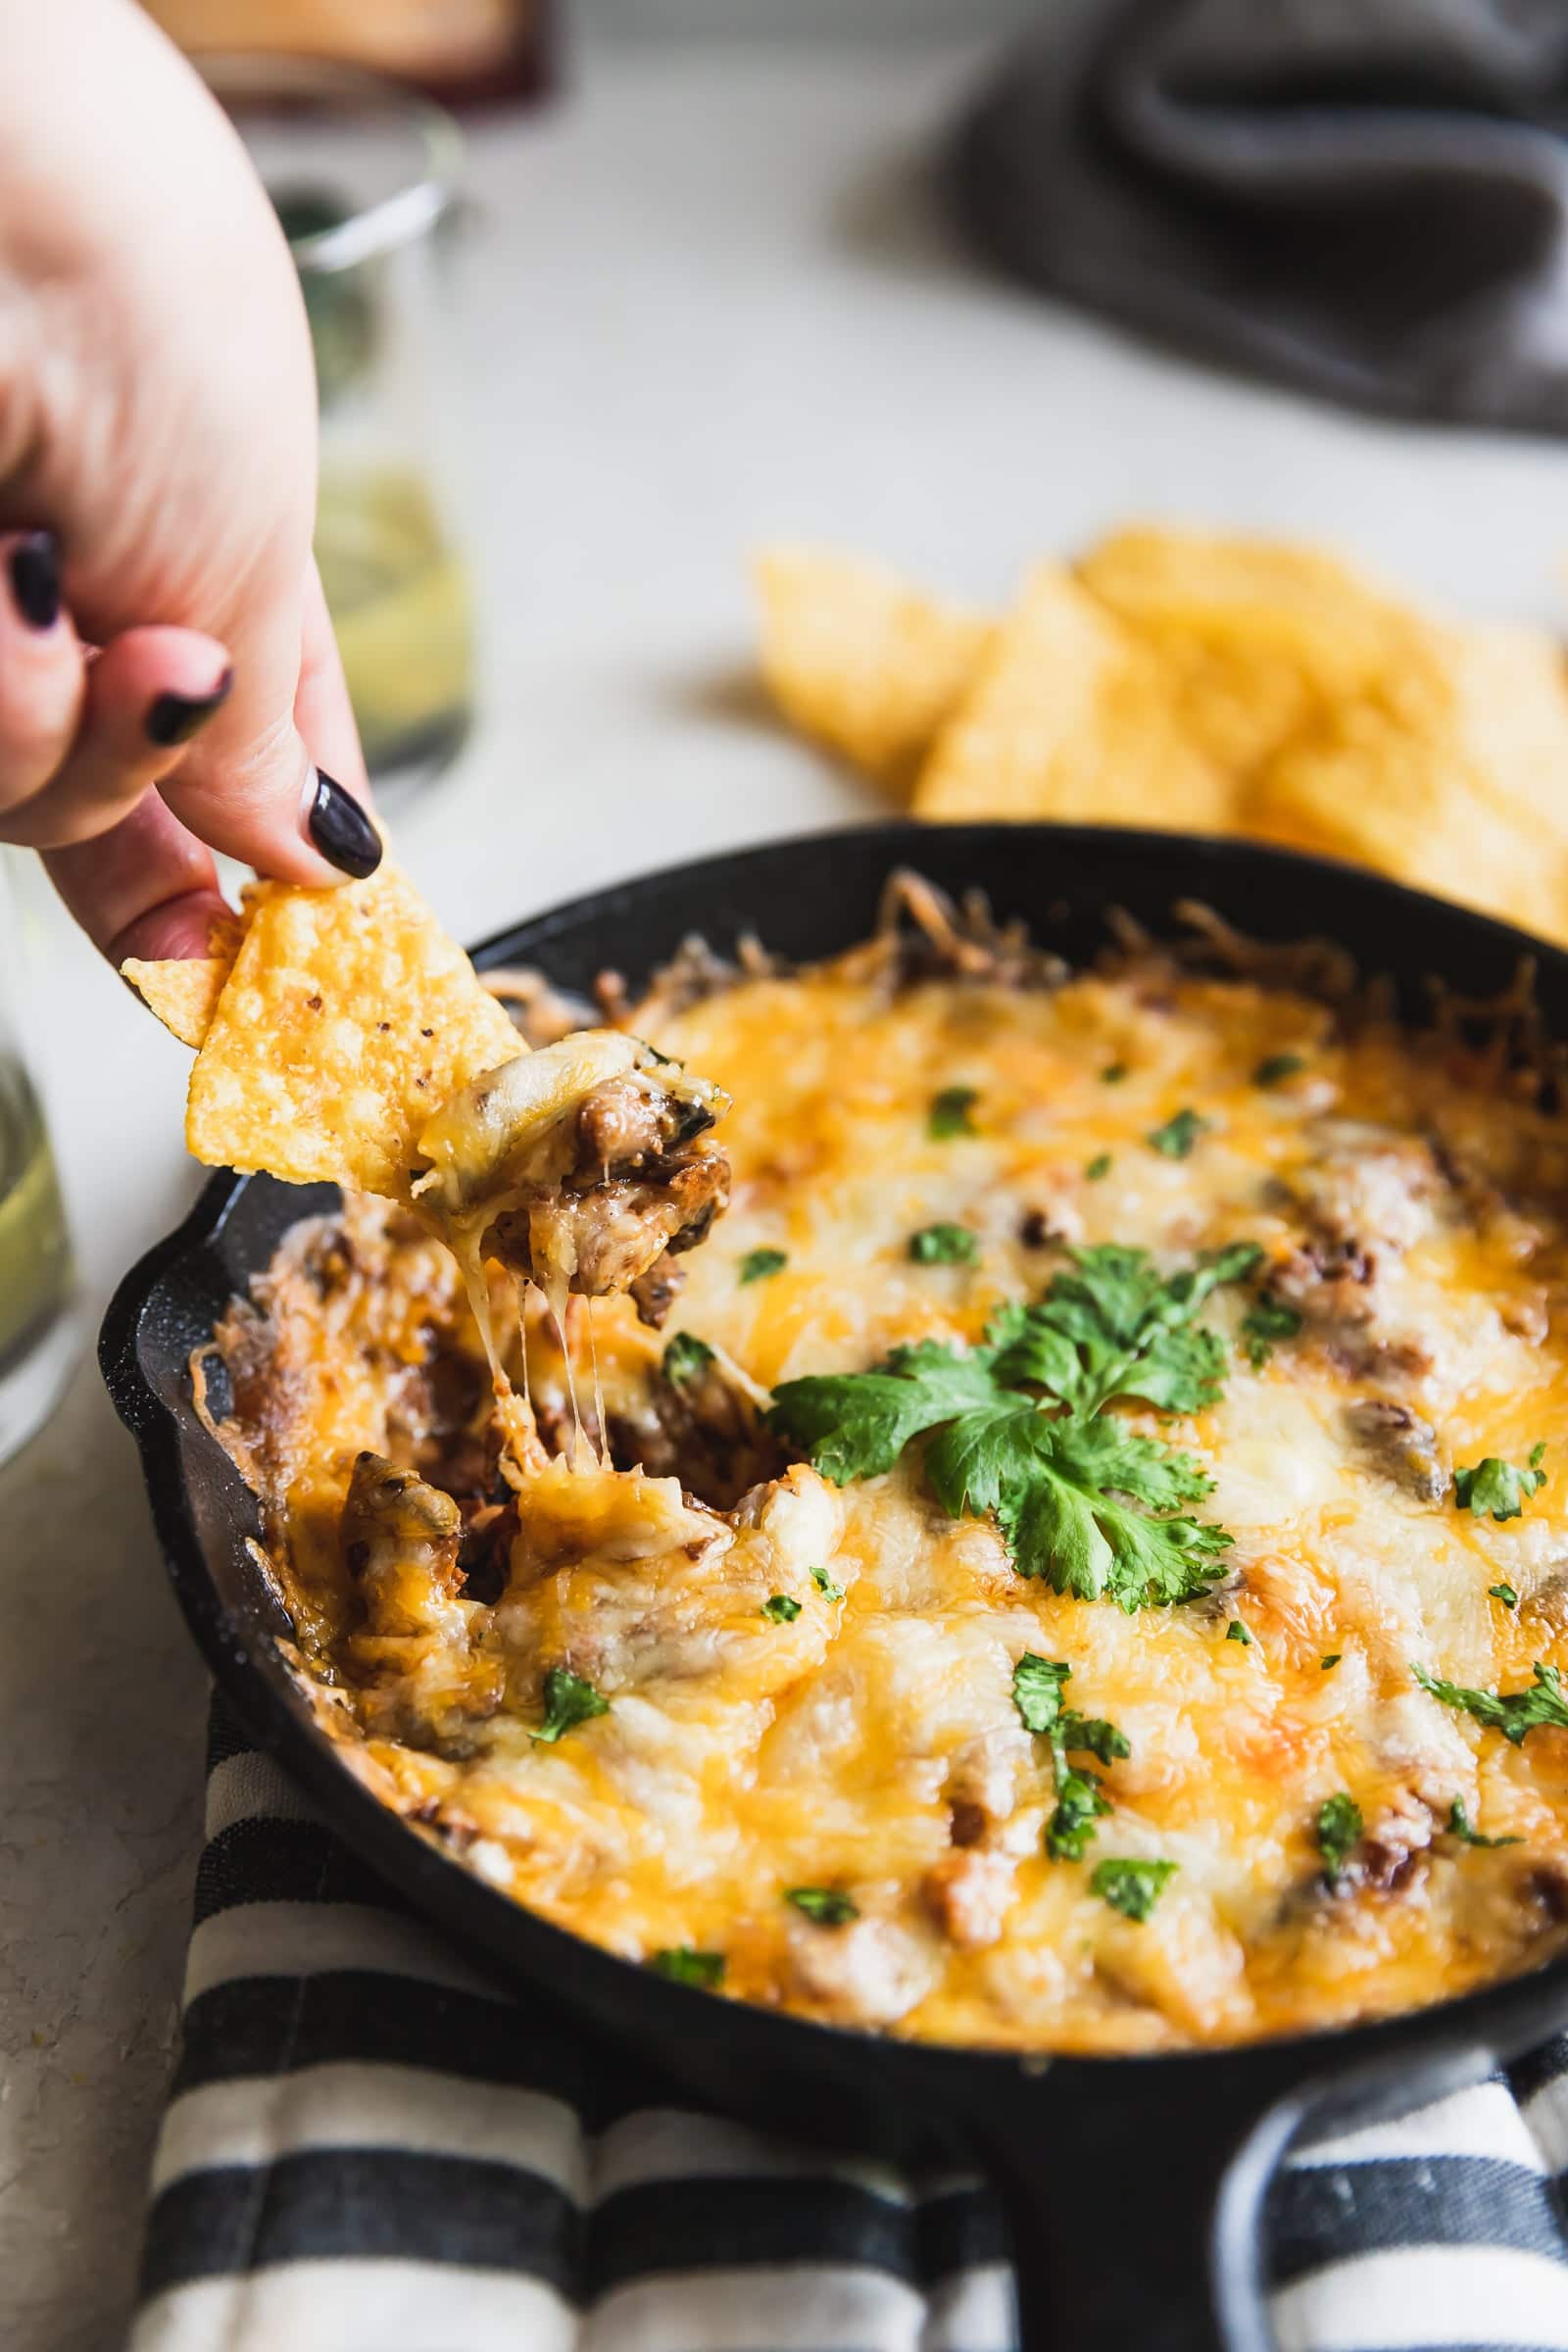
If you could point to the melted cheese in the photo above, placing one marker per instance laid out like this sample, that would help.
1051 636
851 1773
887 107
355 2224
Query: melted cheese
870 1743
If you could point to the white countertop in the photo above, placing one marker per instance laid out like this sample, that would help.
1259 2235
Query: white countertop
706 304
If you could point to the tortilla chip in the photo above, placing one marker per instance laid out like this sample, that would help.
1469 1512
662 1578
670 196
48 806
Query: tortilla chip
1070 717
859 659
183 994
1444 777
348 1018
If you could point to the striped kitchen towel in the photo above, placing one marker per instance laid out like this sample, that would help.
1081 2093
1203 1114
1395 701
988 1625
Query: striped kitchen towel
371 2148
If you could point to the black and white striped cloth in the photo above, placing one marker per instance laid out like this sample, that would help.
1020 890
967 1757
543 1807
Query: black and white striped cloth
371 2148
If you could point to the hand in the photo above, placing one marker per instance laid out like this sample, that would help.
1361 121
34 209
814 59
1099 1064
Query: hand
168 674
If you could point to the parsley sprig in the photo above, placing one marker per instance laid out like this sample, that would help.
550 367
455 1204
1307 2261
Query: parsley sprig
568 1701
1499 1487
1513 1713
1018 1427
1339 1828
1459 1825
1036 1694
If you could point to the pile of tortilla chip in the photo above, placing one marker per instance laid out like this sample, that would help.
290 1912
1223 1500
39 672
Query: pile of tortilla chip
1200 684
330 1026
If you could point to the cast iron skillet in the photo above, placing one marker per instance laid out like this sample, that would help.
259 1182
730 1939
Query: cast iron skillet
1132 2185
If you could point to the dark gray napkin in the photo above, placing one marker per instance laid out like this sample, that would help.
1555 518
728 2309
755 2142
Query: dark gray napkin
1366 198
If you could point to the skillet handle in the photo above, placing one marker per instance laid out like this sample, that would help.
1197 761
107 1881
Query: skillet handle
1133 2199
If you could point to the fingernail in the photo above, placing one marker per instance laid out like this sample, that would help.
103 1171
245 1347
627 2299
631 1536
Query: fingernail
35 579
341 830
175 717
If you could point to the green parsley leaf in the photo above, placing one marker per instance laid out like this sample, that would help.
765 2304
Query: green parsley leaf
1460 1827
1099 1167
1081 1499
1505 1593
1080 1804
1036 1691
685 1359
1265 1321
1236 1631
823 1904
757 1264
1333 1660
949 1110
1128 1331
781 1608
1499 1487
1275 1068
1513 1713
825 1585
1131 1887
1113 1073
1178 1134
568 1701
1037 1688
683 1966
1339 1828
945 1246
857 1424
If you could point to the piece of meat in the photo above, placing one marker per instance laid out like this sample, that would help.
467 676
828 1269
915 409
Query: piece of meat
579 1167
655 1293
399 1544
704 1428
600 1234
968 1893
1400 1445
413 1651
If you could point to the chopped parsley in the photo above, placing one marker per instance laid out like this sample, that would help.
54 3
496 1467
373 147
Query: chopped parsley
1099 1167
1460 1827
1113 1073
945 1246
1505 1593
1017 1427
1131 1887
1333 1658
1339 1829
950 1113
682 1966
824 1905
757 1264
781 1608
568 1701
1513 1713
1178 1134
1499 1487
1265 1321
1275 1068
825 1585
1036 1691
1236 1631
685 1359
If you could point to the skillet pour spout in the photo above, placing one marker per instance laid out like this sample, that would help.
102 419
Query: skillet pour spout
1132 2188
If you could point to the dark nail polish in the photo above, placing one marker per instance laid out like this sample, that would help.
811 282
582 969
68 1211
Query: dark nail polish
341 830
35 579
175 717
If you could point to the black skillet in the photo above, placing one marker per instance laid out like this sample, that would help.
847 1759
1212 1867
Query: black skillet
1131 2187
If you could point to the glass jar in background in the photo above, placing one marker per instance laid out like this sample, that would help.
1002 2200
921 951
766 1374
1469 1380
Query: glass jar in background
40 1327
363 175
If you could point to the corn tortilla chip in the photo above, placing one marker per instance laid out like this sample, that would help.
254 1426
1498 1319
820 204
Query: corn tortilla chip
1069 717
183 994
860 660
350 1016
